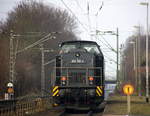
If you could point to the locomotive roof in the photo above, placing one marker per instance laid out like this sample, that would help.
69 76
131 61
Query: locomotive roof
79 41
82 41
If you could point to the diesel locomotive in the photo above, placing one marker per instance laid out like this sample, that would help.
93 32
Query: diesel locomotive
78 80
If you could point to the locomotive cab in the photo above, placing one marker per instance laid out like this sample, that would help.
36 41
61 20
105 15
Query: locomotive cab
79 74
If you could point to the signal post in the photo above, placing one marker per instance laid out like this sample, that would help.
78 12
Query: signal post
128 89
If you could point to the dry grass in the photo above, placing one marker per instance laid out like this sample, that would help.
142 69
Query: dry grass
140 109
138 106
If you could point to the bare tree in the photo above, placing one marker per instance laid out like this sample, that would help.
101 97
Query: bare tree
33 20
129 60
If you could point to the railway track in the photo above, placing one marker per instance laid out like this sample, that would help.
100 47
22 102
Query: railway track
69 112
59 111
81 113
97 112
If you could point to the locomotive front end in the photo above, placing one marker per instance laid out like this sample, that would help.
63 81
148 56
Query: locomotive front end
79 78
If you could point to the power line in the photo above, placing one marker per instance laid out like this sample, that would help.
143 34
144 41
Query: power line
110 59
78 5
74 15
111 48
97 14
106 54
88 16
106 43
47 37
103 43
99 9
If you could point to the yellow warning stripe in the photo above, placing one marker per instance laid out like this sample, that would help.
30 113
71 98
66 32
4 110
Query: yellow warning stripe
56 93
98 92
56 87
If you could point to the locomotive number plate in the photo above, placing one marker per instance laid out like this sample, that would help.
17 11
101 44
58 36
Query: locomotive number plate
77 61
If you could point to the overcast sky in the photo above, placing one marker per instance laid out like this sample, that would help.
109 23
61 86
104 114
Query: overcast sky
123 14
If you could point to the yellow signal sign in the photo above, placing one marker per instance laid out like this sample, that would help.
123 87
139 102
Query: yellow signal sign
10 90
128 89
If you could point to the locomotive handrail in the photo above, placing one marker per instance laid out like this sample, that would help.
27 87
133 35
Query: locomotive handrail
80 67
68 71
88 75
85 87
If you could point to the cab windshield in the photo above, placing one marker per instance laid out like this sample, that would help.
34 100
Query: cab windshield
68 47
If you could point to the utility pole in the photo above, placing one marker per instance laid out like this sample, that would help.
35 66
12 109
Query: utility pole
11 59
11 64
117 35
13 54
43 64
121 63
147 67
117 51
124 73
134 43
136 63
139 62
42 71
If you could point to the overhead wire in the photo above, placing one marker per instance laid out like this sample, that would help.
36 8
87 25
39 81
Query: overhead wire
74 15
110 59
106 43
108 46
47 37
99 9
110 66
88 17
97 14
111 48
79 5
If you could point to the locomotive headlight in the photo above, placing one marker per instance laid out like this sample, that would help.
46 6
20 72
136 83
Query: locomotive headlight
63 80
91 79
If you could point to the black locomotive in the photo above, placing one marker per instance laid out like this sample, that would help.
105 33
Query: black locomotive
79 75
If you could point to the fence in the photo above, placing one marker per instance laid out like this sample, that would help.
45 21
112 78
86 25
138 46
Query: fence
22 108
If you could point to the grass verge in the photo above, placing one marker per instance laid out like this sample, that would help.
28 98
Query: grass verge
118 106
